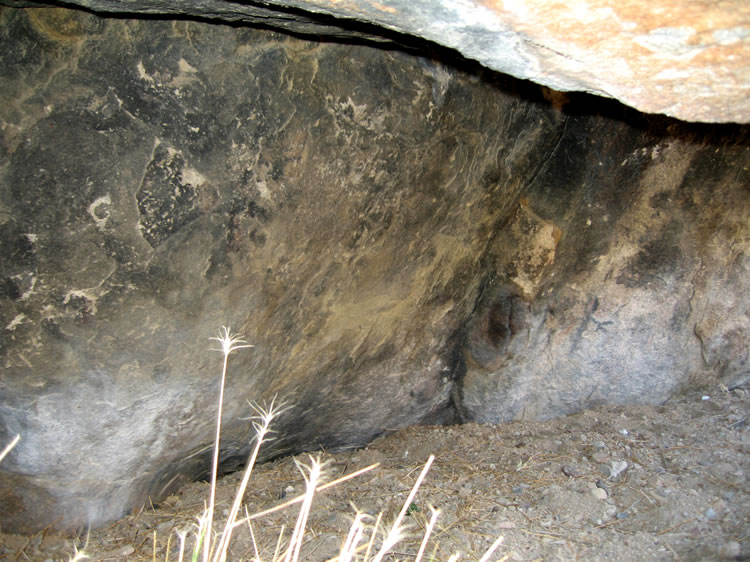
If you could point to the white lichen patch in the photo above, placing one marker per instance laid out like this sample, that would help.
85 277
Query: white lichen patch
193 176
99 210
537 243
143 75
731 35
262 186
359 112
186 74
32 279
15 322
670 42
185 67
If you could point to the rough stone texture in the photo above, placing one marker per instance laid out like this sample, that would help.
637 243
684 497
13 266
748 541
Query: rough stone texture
688 59
380 226
615 272
161 179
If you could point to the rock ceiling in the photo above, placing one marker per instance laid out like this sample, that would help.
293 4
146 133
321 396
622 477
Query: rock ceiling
688 59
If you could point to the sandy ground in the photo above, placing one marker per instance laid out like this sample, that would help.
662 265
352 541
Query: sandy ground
617 483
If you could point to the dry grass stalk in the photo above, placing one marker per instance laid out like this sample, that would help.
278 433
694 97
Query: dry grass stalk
208 549
229 343
10 446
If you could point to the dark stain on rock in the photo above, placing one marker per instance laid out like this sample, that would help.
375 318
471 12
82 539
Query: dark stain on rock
658 258
9 289
498 322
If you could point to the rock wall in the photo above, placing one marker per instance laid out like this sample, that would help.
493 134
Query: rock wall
621 278
161 179
403 241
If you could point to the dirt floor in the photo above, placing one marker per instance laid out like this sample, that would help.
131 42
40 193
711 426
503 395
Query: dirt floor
617 483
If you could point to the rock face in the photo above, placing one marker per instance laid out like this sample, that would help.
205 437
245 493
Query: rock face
401 240
619 280
162 179
687 59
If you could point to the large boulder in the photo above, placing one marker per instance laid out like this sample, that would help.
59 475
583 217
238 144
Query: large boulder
401 240
160 179
684 58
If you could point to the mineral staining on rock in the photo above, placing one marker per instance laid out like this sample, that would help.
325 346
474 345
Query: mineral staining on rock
399 239
617 312
167 178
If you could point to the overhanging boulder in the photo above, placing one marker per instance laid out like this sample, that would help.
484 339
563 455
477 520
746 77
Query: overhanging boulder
686 59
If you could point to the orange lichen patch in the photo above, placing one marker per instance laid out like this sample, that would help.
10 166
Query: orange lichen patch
558 100
701 15
383 8
646 27
655 53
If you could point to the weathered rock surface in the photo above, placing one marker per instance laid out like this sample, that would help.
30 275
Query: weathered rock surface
382 227
688 59
621 280
161 179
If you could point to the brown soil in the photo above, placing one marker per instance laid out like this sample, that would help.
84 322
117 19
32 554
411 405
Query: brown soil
617 483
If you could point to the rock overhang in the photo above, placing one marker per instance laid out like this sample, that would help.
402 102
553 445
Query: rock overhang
686 59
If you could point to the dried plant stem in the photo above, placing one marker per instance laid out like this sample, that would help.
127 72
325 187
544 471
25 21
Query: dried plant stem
10 446
356 531
302 497
261 430
214 466
493 548
181 534
394 535
427 533
312 475
229 343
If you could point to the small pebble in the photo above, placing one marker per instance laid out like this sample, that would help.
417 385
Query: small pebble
600 456
731 549
126 550
618 467
599 493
